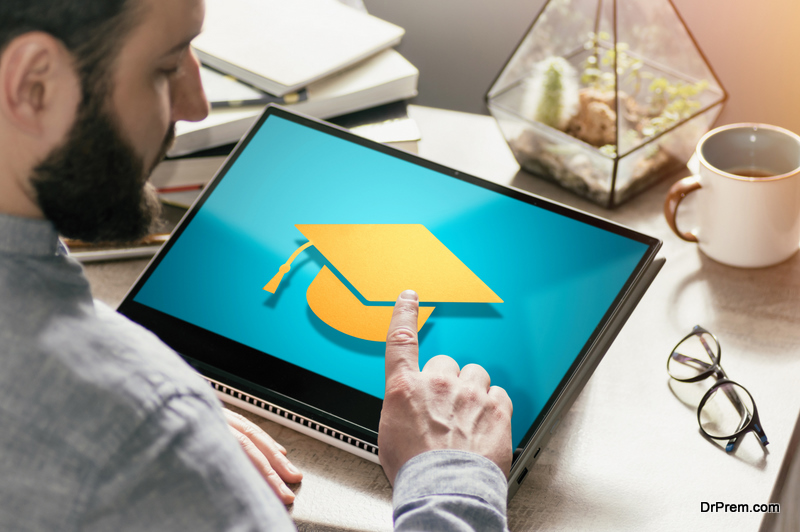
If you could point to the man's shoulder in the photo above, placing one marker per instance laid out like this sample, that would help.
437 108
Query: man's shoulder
90 377
74 390
65 358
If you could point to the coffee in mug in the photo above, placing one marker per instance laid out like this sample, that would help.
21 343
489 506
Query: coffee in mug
750 172
748 195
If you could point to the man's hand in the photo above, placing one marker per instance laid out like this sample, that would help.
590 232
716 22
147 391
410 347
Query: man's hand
267 455
440 407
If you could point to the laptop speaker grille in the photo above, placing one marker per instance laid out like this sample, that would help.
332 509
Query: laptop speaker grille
296 418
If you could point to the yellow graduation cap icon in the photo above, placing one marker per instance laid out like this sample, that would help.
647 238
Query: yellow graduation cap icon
380 261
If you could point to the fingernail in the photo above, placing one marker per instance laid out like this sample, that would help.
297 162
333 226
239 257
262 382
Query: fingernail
409 295
292 469
287 492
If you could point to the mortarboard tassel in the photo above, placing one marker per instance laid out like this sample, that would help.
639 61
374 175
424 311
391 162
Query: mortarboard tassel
272 285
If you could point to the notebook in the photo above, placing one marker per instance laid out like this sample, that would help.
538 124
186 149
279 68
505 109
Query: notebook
279 282
281 47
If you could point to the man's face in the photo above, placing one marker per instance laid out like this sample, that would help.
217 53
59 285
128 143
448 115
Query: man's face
93 187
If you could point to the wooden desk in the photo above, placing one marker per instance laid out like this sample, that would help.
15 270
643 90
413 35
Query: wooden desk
629 455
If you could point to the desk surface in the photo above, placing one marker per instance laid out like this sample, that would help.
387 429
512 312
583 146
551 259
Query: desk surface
629 455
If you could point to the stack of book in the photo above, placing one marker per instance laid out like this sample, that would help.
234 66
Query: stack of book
318 57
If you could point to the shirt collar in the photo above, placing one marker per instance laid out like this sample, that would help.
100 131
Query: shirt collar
28 236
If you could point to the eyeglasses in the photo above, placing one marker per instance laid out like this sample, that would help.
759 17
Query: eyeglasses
727 410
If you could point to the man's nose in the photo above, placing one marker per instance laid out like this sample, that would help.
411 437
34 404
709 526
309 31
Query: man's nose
188 98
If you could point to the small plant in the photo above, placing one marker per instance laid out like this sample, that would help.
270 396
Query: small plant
672 102
665 104
551 96
643 95
587 106
628 68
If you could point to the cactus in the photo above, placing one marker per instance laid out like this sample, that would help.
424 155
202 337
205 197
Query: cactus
551 94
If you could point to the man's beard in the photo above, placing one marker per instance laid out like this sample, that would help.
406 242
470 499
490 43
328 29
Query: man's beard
94 187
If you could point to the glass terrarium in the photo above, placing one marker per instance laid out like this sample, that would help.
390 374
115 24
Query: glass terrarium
605 97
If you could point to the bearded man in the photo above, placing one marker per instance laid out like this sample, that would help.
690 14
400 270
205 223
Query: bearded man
103 426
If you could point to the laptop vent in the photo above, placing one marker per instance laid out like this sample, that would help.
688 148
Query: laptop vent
296 418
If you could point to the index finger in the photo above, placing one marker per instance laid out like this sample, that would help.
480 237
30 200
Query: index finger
402 345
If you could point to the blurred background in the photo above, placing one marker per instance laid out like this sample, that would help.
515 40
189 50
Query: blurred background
460 46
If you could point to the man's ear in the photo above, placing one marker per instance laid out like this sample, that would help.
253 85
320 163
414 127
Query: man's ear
39 88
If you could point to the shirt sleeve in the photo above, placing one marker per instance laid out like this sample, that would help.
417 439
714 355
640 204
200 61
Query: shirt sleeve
450 491
182 470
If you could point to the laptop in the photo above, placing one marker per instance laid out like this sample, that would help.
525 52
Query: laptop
279 282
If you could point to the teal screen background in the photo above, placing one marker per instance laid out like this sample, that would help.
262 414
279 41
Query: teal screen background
556 276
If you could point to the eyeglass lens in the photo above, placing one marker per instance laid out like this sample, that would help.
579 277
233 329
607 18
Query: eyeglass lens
727 409
695 355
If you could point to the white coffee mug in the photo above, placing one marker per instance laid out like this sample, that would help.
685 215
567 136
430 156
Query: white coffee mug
748 195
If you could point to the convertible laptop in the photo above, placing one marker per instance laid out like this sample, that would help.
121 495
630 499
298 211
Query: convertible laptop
278 284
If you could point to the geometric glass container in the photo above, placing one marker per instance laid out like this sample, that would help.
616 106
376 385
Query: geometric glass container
606 97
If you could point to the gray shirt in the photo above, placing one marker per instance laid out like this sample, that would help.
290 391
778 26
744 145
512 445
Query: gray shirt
103 427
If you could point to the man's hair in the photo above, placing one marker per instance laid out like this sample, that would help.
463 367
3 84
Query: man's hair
92 30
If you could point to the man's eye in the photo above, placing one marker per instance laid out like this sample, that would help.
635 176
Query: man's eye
170 71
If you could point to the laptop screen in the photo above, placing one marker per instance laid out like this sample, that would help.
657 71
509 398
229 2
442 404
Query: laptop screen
506 280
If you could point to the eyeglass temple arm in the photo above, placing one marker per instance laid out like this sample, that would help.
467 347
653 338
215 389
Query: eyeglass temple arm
689 361
762 436
745 416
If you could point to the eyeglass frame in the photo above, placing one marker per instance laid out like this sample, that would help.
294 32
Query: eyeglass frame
716 370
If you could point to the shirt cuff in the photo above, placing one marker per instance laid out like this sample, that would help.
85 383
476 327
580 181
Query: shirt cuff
451 472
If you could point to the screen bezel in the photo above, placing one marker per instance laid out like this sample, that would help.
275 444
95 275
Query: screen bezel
309 394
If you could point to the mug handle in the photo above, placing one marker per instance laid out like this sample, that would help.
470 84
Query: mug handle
676 193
